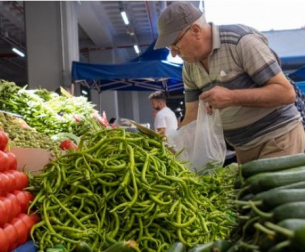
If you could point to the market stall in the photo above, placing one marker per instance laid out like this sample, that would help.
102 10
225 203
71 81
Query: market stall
107 189
298 76
149 72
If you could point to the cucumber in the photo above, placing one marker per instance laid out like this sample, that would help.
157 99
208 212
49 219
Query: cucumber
298 240
261 175
272 199
285 249
221 246
237 183
217 246
291 224
295 235
265 243
83 247
207 247
249 196
122 246
289 211
177 247
297 185
276 180
272 164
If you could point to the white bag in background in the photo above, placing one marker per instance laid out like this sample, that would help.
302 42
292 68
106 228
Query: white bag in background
183 139
209 146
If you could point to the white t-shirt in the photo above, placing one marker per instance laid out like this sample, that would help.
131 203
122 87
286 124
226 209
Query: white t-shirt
166 118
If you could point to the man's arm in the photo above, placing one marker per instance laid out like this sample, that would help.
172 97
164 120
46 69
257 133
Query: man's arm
191 110
275 92
161 131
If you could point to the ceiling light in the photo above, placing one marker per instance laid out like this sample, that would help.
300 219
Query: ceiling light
136 48
125 18
15 50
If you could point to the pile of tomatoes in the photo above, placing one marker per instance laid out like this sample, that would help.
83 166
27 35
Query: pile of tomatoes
15 223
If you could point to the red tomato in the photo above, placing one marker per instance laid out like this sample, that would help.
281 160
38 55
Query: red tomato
23 200
8 206
6 183
67 145
76 118
1 187
4 243
22 179
3 161
34 217
12 161
11 182
3 140
22 230
29 195
12 236
28 220
3 214
16 207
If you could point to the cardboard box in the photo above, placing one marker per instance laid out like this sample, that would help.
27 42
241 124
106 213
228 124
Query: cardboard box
32 159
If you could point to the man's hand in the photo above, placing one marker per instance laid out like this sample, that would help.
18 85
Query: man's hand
276 92
217 97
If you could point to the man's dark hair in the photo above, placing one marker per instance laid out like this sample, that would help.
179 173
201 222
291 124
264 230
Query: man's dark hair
159 95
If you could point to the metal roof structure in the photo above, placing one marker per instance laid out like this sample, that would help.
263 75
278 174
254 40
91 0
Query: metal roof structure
112 36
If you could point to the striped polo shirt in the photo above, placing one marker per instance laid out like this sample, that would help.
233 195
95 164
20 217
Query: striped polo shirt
241 59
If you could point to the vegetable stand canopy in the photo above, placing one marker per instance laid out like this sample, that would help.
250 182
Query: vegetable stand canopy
298 75
149 72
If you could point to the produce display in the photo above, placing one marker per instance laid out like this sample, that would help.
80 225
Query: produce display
21 135
46 111
111 190
271 205
118 187
15 223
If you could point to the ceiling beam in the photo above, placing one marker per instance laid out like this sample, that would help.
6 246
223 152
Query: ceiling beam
93 20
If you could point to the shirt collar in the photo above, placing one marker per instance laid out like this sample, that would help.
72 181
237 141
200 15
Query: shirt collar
215 36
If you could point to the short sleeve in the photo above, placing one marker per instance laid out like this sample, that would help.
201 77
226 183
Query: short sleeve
257 59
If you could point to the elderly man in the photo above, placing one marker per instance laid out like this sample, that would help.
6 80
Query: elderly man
232 68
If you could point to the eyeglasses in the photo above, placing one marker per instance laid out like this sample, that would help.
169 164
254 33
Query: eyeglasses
174 45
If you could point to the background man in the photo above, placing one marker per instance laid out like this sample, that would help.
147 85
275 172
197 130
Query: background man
165 118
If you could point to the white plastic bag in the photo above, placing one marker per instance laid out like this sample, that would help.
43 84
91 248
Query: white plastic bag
209 146
202 141
183 139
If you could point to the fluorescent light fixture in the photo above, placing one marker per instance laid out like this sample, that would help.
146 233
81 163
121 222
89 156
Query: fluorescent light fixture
136 48
15 50
125 18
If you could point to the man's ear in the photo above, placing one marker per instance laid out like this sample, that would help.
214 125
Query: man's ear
196 30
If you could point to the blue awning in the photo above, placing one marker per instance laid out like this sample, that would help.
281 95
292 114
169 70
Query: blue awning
298 75
148 72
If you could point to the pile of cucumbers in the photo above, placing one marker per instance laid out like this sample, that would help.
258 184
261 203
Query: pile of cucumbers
271 205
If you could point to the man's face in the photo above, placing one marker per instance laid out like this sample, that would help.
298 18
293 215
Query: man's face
155 104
